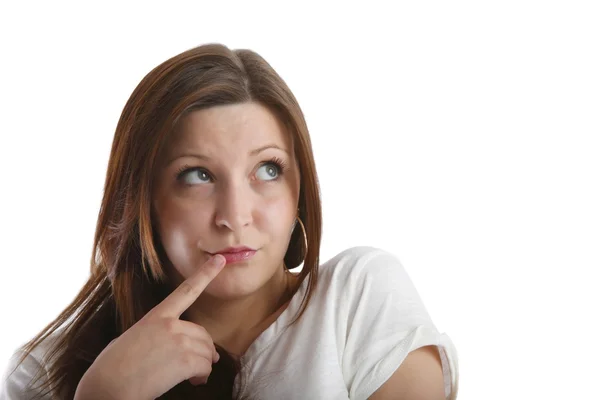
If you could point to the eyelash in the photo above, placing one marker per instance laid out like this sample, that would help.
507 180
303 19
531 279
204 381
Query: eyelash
278 162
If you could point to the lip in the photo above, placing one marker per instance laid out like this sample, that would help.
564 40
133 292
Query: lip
236 254
234 250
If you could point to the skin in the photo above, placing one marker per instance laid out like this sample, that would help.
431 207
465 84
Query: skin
237 198
158 351
233 195
419 377
234 200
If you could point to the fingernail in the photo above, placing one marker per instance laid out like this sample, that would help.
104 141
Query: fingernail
217 260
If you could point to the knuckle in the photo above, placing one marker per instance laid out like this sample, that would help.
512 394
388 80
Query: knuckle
204 348
210 351
196 364
183 341
187 289
204 366
170 325
203 332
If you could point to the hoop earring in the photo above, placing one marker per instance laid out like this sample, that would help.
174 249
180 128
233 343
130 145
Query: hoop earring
304 233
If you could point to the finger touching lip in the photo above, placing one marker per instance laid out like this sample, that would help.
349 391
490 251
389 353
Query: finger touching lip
238 256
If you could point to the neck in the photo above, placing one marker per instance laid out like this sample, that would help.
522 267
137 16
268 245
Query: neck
234 324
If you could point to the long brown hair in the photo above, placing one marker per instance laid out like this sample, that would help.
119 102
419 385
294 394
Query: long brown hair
127 277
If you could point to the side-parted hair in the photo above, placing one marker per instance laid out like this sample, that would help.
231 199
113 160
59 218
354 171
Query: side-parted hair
127 276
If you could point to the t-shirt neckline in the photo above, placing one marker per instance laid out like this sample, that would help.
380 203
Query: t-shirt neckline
277 327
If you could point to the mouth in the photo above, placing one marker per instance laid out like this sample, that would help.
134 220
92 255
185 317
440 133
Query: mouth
236 254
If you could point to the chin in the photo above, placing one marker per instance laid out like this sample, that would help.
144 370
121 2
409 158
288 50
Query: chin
231 284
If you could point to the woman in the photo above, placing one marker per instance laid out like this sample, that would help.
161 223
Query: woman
211 197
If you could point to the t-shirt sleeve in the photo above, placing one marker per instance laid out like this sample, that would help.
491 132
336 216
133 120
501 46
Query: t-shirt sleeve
16 382
386 320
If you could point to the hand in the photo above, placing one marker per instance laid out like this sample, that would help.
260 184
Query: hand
159 351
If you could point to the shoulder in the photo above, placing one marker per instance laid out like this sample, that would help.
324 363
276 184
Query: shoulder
368 278
381 319
363 264
359 258
23 370
372 277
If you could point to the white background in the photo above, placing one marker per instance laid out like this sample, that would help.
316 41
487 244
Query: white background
462 136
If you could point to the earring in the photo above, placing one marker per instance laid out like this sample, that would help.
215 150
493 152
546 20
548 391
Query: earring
304 232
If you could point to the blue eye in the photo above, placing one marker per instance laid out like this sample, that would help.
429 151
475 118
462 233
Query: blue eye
188 175
268 171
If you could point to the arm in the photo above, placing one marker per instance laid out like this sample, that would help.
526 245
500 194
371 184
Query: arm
391 343
419 377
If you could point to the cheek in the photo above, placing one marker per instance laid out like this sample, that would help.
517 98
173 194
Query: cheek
278 215
179 226
279 209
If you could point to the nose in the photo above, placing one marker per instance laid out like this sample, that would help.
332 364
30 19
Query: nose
234 207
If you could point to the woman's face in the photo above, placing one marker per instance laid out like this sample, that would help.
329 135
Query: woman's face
228 178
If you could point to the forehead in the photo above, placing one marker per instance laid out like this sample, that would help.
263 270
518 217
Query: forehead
230 128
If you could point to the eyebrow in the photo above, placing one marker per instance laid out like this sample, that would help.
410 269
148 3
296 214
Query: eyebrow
252 153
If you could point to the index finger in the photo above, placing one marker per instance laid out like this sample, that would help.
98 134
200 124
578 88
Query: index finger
189 290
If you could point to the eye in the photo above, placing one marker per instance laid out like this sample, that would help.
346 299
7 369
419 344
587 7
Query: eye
268 171
194 176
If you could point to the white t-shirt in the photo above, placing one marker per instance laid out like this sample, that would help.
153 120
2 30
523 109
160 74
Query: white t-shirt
364 318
